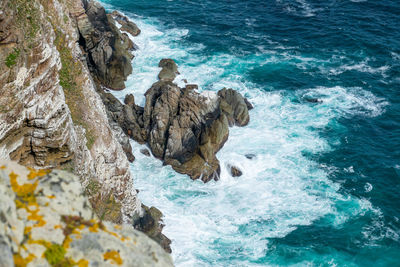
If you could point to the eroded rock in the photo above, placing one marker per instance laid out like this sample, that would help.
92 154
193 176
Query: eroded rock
126 24
108 51
182 127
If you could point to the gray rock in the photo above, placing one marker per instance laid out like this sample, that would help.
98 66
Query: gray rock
64 219
126 24
233 104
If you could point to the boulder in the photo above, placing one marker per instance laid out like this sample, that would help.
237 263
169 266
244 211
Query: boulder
169 70
235 171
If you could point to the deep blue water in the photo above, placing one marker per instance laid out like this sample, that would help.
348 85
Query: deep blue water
324 188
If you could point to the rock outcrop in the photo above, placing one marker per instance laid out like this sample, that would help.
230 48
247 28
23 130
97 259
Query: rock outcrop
108 55
151 224
126 24
182 127
50 113
46 220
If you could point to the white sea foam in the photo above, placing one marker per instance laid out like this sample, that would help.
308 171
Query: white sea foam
281 188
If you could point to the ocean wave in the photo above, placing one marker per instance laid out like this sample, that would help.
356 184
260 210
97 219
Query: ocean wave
231 222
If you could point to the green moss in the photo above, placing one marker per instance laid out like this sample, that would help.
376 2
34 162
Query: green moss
55 256
11 59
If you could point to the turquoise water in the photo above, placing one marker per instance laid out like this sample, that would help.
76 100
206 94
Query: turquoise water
323 189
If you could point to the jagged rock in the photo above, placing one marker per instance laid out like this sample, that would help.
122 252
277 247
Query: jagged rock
145 152
235 171
186 129
109 58
126 24
46 220
151 224
169 70
234 106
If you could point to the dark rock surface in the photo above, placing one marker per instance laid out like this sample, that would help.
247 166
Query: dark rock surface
250 156
235 171
182 127
107 50
151 224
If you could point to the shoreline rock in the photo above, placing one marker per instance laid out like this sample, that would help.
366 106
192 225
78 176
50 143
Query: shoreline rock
182 127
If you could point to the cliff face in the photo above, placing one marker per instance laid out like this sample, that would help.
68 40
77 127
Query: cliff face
50 113
46 221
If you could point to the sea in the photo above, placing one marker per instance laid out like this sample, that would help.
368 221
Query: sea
324 77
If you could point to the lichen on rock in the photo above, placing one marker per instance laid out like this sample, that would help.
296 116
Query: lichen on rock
46 220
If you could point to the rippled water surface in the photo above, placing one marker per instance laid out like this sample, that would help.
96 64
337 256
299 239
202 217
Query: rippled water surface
323 189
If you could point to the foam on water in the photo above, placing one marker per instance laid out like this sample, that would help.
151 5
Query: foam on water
230 222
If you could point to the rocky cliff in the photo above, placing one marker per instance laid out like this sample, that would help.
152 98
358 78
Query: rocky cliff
50 113
46 220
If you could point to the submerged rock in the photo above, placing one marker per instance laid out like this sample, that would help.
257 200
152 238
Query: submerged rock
46 220
250 156
314 100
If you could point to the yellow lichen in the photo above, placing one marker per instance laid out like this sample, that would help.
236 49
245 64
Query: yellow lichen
94 228
37 173
113 256
2 167
67 241
22 262
24 191
82 263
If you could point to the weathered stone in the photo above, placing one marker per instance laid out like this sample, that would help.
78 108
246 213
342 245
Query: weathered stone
234 106
151 224
235 171
53 214
109 58
126 24
50 113
169 70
